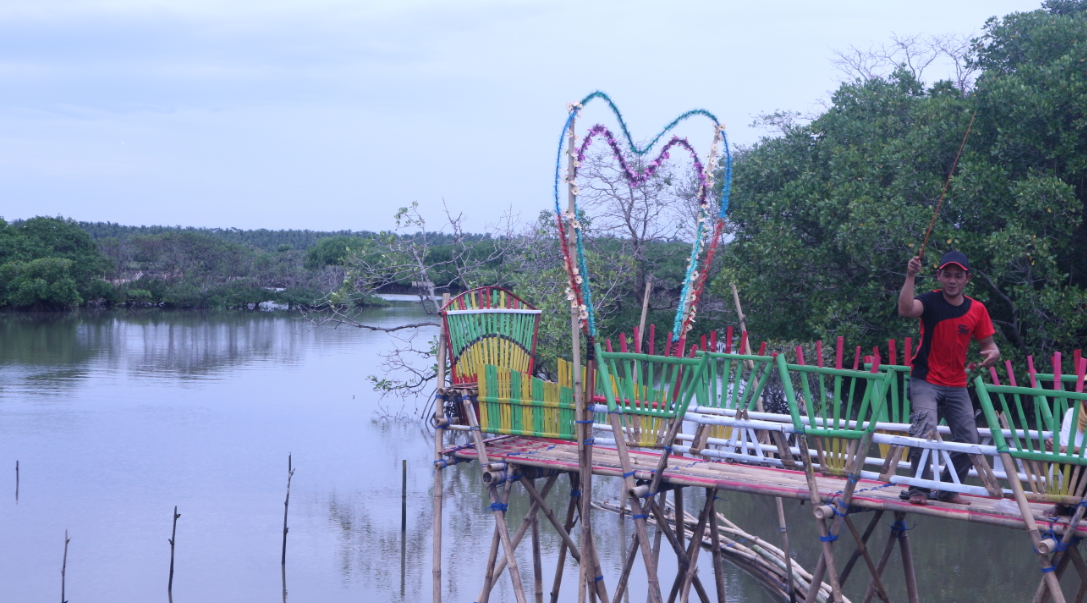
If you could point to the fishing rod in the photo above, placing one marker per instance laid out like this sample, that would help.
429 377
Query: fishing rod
921 253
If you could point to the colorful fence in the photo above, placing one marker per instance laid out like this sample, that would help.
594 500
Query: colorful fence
515 403
489 326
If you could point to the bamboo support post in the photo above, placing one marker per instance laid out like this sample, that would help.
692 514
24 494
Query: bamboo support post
440 423
533 511
715 542
696 547
785 548
885 556
1032 529
1041 594
907 567
571 517
491 574
537 562
863 542
497 505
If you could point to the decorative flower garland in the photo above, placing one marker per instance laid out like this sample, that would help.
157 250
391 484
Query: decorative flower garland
578 292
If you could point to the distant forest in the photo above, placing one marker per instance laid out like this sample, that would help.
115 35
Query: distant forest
49 263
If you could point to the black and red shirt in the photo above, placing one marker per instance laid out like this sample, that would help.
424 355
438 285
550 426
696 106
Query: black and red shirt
946 331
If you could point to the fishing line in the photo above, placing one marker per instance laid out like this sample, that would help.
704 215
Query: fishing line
921 253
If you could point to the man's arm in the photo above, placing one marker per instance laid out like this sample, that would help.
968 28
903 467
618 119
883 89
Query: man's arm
907 305
989 351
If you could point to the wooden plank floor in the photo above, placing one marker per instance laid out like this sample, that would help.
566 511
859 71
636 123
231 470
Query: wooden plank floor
767 481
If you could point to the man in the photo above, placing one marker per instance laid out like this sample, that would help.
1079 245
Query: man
937 384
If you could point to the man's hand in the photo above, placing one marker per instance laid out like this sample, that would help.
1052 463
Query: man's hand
913 268
907 305
990 355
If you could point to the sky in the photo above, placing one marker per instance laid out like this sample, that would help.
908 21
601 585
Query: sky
330 115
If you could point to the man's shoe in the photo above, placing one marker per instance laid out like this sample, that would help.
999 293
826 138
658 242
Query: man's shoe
954 499
919 498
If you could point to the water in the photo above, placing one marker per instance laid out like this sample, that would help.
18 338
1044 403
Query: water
115 418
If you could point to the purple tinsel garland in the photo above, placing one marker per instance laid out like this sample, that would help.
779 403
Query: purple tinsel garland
637 178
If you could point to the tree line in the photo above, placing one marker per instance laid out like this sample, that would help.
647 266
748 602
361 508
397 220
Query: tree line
827 214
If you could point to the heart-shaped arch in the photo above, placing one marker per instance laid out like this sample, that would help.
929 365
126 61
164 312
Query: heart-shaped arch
706 240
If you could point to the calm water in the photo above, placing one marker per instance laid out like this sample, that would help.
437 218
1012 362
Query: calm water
116 418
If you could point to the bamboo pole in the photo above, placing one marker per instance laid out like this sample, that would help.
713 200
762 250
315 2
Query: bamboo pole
857 552
286 504
827 558
881 591
907 567
571 517
64 567
784 528
1041 593
173 539
533 511
640 336
715 541
537 562
886 556
491 573
696 547
1032 529
439 442
575 339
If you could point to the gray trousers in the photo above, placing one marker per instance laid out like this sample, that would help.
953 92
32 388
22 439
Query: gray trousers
928 403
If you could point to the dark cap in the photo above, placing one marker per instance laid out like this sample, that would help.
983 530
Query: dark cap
955 257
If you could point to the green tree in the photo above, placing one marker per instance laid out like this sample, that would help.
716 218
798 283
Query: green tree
827 215
40 284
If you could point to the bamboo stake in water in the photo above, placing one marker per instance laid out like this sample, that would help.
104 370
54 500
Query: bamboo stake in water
404 497
286 504
173 538
64 567
16 481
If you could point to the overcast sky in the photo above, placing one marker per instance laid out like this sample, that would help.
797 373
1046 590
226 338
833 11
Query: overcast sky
329 115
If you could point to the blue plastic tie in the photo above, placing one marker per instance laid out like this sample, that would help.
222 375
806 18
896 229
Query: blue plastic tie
586 421
668 448
1046 570
830 538
598 578
642 516
575 493
630 474
590 441
899 529
499 507
474 428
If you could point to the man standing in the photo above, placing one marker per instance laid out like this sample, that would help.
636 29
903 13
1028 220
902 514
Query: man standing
937 384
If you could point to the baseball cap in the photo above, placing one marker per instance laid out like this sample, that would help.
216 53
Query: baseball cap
955 257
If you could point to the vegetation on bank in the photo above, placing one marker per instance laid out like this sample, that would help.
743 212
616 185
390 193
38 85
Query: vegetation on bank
827 215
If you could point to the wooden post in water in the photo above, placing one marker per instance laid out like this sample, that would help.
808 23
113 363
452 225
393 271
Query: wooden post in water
286 504
403 497
173 540
16 481
64 567
439 442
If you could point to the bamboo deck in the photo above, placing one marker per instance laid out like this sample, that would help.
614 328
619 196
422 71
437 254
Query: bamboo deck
767 481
